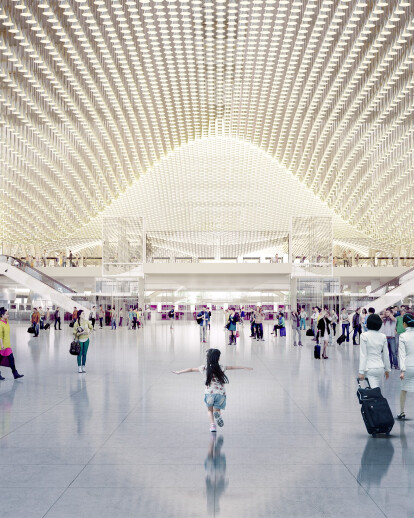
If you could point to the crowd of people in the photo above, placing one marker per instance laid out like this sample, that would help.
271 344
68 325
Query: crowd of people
386 340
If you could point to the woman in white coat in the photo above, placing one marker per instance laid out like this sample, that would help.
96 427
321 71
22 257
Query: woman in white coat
406 361
374 357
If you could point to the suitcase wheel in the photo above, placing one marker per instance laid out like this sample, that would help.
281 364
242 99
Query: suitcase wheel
374 435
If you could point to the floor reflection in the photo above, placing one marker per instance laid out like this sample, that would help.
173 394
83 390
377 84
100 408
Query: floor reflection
215 467
375 461
6 404
81 408
407 452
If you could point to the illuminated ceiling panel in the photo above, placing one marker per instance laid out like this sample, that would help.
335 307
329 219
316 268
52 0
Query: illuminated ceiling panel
94 93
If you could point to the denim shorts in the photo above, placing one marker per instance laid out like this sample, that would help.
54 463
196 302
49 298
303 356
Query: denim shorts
215 400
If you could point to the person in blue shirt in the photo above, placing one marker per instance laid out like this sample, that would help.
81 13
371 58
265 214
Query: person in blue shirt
203 319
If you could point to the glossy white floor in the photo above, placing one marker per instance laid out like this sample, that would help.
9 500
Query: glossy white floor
130 439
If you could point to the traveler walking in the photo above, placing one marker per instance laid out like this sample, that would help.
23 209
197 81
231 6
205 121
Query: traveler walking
303 316
113 317
42 318
136 318
214 393
373 357
388 328
6 352
406 357
101 316
323 328
92 316
232 327
202 320
121 316
70 258
314 322
334 321
47 317
57 318
356 324
171 315
363 320
399 327
259 319
81 331
345 323
296 327
252 324
242 316
35 322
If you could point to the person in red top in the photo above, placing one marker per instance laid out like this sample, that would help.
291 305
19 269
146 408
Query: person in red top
74 314
35 321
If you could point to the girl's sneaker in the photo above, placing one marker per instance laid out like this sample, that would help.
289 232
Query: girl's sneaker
218 418
213 427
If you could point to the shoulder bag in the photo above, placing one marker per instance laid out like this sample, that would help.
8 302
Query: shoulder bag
75 348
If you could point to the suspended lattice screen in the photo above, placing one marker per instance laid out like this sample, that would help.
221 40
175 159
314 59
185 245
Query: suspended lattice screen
122 245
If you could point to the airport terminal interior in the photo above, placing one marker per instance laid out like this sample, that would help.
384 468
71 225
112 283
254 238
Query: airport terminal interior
196 192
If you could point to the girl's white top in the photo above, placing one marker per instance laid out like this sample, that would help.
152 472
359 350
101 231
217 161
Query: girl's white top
373 352
406 349
215 386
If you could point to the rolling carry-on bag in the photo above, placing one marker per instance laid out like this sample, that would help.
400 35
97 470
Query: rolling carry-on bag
317 352
47 326
340 340
375 410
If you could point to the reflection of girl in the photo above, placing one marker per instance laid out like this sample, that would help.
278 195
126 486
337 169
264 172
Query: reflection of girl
215 466
406 361
214 393
6 353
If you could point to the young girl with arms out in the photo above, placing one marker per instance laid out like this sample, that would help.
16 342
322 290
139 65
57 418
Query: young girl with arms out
214 393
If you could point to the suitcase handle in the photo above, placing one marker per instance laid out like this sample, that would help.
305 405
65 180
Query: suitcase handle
366 379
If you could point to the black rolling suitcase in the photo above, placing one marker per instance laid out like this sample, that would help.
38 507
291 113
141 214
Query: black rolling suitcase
375 410
340 340
47 326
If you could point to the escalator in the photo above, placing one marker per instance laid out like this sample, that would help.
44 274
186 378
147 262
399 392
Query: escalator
38 282
393 291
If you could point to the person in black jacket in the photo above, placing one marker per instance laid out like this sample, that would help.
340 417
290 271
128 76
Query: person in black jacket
324 332
356 324
57 319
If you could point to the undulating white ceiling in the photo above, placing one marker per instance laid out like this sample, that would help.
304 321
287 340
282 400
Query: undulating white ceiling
226 106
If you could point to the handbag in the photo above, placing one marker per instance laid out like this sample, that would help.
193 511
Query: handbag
75 348
237 334
31 329
71 324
